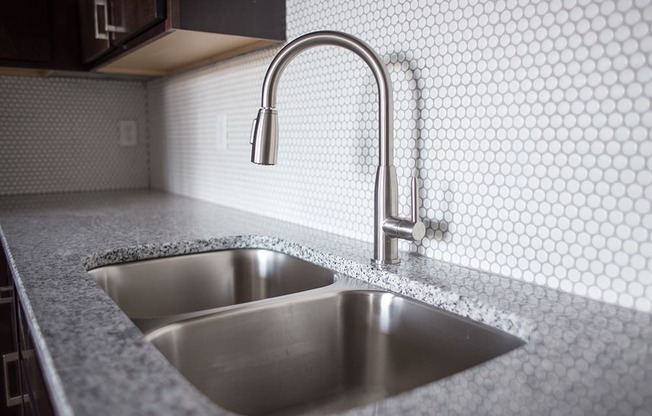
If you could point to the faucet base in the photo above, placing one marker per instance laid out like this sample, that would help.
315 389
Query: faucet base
381 264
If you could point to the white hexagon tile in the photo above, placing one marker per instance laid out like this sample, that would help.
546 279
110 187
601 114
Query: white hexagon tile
528 122
61 134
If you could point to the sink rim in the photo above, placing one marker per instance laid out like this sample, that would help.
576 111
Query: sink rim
445 297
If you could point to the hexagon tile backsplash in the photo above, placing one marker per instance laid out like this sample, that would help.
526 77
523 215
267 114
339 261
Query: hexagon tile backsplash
61 134
528 122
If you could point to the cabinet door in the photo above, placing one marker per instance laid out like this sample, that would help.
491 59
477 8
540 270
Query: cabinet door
9 379
130 18
33 384
25 30
40 34
94 36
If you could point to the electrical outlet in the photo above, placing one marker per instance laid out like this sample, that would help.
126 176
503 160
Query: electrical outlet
221 133
128 133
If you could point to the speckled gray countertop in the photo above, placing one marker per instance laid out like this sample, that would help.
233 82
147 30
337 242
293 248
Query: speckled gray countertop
582 357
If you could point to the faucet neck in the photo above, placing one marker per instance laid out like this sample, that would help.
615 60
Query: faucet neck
360 48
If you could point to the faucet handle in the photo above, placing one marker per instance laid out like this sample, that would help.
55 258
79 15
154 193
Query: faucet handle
252 135
418 227
408 229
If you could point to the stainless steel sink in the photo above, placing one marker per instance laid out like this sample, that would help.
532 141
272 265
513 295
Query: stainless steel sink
311 344
159 291
324 351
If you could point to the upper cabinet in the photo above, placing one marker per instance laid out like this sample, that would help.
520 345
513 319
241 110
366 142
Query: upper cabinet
40 34
95 39
106 24
130 18
158 37
143 37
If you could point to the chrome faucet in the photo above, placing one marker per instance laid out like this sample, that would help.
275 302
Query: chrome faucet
388 228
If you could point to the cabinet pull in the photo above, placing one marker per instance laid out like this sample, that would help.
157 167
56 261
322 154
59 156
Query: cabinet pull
11 400
6 299
107 26
96 4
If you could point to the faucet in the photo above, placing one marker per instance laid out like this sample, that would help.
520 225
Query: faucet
388 228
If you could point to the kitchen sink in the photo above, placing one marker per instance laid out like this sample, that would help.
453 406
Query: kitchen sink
324 351
159 291
264 333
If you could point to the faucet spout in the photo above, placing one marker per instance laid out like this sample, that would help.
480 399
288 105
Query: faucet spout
264 138
385 103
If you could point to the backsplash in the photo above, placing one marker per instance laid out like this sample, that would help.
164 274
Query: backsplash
61 134
529 124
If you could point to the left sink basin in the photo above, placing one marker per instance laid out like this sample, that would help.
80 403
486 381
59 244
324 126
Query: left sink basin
159 291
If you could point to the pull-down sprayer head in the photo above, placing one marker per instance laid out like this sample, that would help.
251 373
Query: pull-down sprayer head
264 137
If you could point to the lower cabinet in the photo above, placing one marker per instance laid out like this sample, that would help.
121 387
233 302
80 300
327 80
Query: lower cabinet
11 394
23 388
36 401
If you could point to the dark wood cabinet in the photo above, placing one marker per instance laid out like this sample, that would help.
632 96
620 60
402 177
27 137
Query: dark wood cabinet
24 33
94 38
130 18
158 37
144 37
40 34
10 384
24 392
36 397
107 24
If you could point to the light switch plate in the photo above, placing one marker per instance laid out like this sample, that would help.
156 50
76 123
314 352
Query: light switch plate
128 133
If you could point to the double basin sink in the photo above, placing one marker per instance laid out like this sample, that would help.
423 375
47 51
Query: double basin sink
264 333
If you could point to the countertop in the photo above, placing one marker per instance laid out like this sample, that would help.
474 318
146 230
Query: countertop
582 357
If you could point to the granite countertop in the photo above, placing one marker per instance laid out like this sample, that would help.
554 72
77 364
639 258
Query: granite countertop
582 357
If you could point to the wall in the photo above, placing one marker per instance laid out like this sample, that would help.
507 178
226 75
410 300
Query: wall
61 134
528 123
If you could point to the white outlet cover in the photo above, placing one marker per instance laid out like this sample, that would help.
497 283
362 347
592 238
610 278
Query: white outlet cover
128 133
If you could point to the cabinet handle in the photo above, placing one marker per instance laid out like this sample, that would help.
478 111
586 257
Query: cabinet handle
11 400
107 26
96 4
6 299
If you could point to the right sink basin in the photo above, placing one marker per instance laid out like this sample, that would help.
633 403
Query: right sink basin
324 352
